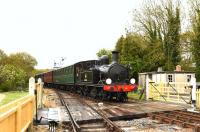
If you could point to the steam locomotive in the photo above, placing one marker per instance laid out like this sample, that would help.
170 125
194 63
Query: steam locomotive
94 78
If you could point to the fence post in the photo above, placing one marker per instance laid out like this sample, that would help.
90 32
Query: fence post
32 88
18 116
30 127
31 85
39 93
147 88
198 98
193 83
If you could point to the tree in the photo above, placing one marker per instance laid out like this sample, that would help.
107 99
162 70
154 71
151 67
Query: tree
139 53
154 57
37 71
132 51
3 57
15 70
105 52
11 77
172 37
195 4
187 60
160 24
119 44
23 61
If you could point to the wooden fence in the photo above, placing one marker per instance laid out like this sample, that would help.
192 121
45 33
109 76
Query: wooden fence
170 92
17 116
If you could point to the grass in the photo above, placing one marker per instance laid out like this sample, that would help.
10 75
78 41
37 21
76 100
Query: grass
135 95
11 96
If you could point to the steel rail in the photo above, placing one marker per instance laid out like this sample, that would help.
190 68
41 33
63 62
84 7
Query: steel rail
178 120
75 126
111 125
193 114
181 117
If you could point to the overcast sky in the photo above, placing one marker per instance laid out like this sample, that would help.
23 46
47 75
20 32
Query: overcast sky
74 29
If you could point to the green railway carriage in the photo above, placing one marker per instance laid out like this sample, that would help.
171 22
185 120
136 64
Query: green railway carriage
64 75
79 73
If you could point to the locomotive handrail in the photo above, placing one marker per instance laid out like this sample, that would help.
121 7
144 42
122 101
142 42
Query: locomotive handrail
101 81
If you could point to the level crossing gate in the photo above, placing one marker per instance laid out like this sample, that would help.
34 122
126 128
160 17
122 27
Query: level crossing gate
170 92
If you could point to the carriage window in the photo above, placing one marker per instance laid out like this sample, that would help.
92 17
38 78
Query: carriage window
170 78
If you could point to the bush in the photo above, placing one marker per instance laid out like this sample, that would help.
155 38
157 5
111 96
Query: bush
11 77
4 87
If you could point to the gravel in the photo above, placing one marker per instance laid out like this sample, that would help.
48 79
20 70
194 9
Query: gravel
146 124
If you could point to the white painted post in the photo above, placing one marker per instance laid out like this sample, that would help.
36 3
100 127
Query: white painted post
39 92
39 80
194 88
147 87
31 85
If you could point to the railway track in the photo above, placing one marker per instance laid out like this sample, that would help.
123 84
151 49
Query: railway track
181 118
75 126
85 114
104 124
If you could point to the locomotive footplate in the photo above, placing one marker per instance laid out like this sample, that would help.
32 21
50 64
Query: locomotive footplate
119 88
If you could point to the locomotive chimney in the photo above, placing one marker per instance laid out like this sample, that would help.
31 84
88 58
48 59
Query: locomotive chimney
115 56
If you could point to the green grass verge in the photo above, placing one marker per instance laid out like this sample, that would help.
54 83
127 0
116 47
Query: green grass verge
135 95
11 96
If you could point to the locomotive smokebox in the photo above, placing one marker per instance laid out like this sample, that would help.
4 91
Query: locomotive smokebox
115 56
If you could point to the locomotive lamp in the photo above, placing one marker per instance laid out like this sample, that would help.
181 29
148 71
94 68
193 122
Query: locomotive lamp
132 81
108 81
